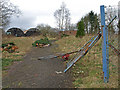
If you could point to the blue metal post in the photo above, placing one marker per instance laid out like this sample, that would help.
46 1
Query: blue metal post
104 46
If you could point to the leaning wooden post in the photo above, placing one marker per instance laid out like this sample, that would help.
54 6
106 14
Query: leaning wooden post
104 46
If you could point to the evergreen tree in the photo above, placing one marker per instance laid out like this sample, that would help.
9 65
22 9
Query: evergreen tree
91 22
80 26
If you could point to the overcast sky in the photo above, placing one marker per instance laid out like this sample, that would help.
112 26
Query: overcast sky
36 12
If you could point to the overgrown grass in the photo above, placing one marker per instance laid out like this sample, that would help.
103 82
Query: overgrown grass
87 72
24 43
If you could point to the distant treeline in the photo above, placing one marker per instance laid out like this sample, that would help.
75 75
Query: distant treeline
91 23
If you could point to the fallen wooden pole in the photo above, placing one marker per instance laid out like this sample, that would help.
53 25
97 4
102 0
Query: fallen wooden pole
56 56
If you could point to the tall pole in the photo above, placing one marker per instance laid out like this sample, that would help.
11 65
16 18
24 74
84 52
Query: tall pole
104 46
119 43
119 18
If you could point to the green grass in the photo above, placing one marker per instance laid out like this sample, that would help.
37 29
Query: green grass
8 62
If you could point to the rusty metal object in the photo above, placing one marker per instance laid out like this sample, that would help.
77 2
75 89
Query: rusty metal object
115 50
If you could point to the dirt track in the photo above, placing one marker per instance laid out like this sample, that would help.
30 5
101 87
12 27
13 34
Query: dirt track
33 73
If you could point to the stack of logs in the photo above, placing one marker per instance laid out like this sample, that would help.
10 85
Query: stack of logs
41 43
9 47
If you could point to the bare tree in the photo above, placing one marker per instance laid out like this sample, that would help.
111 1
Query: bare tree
111 12
7 9
44 29
62 17
73 26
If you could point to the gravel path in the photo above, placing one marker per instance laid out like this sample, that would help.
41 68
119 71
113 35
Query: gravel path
33 73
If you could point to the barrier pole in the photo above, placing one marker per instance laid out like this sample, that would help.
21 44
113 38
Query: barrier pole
104 46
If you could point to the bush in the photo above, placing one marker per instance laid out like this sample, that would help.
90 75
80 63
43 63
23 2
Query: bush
44 41
64 35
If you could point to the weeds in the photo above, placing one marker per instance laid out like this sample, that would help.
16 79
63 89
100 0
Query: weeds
7 62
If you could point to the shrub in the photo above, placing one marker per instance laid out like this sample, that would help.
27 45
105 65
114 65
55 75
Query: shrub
64 35
41 41
80 26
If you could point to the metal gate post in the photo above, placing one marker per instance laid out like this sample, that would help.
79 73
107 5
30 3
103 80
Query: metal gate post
104 46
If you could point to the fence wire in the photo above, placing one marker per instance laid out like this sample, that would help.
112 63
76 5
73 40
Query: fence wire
110 13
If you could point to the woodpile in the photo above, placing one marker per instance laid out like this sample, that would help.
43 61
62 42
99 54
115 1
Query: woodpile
9 47
41 43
